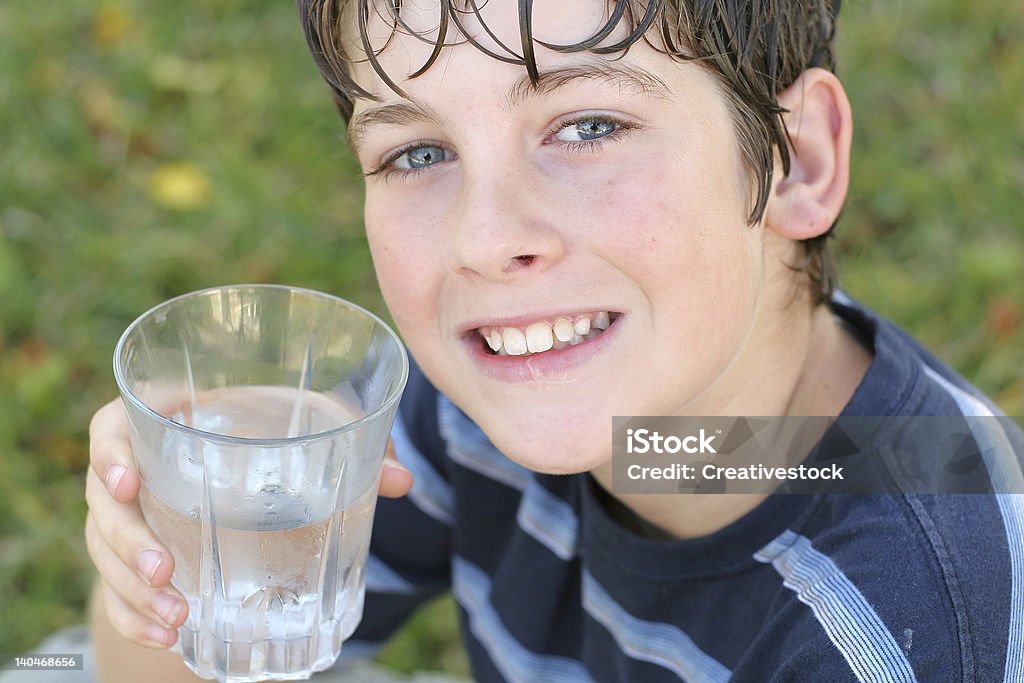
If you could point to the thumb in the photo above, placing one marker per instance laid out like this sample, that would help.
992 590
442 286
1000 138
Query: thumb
395 480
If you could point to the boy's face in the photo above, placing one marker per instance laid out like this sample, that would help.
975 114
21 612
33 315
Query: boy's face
615 187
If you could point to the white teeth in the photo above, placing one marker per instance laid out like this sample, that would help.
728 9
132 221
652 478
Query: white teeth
538 337
563 329
514 341
543 336
494 340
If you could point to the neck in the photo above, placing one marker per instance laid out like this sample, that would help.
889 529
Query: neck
818 365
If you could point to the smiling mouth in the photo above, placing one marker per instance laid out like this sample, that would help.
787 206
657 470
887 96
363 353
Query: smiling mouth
545 335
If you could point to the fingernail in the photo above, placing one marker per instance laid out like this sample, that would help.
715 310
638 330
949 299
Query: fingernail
114 475
158 635
148 562
168 607
395 465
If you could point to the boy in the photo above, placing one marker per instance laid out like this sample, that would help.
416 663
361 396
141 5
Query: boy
587 209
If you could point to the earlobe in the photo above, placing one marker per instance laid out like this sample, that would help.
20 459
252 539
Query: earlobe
806 202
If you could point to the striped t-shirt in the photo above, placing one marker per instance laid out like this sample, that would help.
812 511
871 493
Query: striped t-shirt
804 588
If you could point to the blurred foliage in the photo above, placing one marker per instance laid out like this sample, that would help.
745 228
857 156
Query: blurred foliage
148 149
932 235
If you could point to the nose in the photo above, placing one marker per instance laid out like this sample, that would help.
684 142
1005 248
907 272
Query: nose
501 228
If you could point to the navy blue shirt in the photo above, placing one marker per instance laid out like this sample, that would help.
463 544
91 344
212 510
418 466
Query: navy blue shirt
551 587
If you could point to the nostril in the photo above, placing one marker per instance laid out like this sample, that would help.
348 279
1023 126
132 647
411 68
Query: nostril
518 262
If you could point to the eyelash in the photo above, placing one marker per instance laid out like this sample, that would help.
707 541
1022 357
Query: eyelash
387 169
622 128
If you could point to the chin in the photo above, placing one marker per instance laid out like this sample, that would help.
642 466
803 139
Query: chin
566 453
545 434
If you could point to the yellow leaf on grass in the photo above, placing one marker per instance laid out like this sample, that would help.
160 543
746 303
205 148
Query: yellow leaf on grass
181 185
111 25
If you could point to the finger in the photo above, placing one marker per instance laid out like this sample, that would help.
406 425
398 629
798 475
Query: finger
163 606
395 480
133 625
110 451
125 533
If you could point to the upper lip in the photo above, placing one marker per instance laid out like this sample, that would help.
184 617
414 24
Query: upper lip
527 319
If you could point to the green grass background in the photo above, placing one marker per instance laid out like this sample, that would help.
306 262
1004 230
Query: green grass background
152 148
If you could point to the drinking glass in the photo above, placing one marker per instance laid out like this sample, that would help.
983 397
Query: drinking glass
259 418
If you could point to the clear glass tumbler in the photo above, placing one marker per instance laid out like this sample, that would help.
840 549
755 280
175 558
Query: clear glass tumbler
259 418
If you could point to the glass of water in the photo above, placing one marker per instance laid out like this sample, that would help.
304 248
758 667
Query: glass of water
259 419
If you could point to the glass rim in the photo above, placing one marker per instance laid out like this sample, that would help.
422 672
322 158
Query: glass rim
127 394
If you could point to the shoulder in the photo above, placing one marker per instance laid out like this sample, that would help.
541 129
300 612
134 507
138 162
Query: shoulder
904 378
894 588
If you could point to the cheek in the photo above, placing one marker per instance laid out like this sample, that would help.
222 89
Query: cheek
684 239
400 247
687 228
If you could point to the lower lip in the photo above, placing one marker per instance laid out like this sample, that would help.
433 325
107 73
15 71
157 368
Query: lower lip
552 365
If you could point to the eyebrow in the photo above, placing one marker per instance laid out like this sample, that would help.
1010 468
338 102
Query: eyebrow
627 78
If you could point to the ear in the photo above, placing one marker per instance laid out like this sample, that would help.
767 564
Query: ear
807 201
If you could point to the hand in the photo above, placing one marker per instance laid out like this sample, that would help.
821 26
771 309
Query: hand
134 566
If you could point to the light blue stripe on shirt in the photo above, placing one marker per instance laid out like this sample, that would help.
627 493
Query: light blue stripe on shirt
472 589
542 515
658 643
470 447
844 613
430 492
1004 470
549 519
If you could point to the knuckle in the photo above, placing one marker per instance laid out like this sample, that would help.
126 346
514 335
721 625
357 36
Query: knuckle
125 619
91 544
129 625
99 551
119 538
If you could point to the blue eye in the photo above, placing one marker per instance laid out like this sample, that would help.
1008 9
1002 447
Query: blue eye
409 160
421 157
585 130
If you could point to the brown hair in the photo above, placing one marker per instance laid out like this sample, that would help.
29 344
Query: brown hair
754 48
